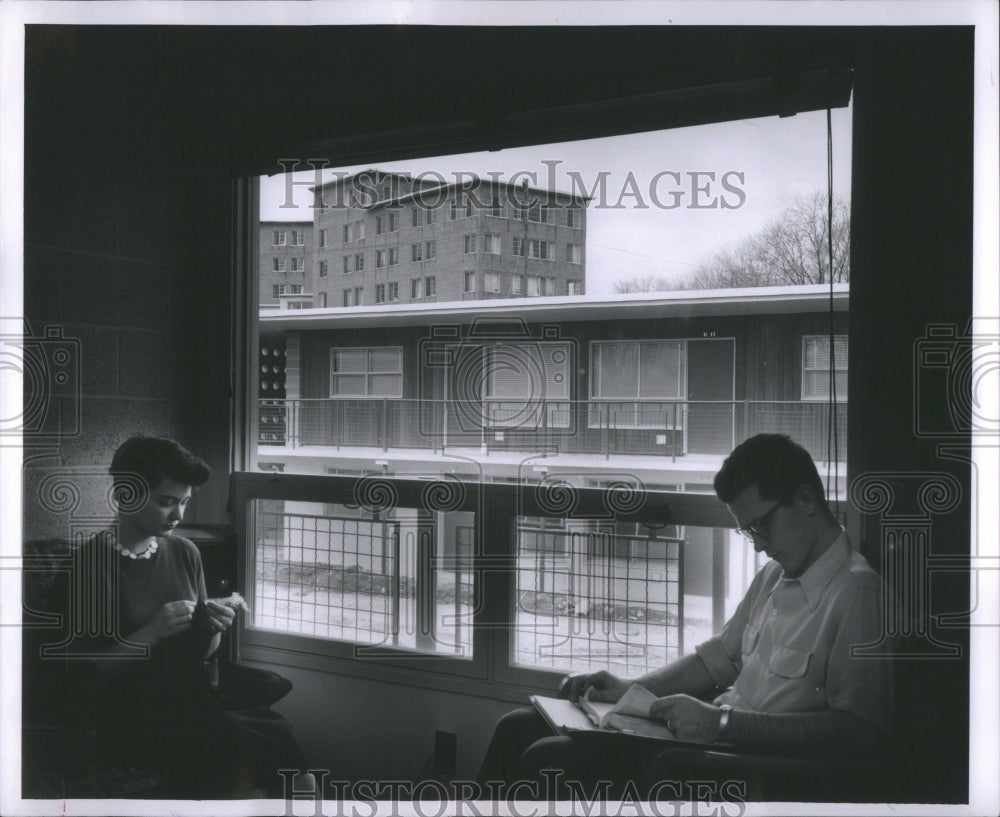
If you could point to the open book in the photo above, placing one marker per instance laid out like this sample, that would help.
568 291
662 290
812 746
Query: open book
629 715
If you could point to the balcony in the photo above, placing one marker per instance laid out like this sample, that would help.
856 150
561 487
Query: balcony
654 428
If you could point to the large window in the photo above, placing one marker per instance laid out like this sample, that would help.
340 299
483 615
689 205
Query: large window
492 506
361 372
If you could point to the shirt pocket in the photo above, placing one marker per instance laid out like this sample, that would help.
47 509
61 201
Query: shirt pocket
750 635
789 662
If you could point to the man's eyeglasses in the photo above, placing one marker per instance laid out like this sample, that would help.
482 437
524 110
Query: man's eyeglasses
760 527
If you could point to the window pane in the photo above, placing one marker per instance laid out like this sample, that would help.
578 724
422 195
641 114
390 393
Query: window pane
389 385
336 572
618 370
349 384
384 360
660 369
349 360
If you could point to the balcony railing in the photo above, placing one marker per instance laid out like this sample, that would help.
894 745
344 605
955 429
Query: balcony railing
608 428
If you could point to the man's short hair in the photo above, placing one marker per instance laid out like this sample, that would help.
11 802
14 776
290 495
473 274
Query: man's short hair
141 463
774 463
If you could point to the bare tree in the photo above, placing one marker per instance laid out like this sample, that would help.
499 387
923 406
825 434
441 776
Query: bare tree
649 283
792 249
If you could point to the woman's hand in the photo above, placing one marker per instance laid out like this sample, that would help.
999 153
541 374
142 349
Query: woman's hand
172 618
220 616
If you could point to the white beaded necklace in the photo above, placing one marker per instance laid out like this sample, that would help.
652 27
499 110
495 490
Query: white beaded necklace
146 554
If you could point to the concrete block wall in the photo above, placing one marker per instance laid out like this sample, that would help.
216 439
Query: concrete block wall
110 263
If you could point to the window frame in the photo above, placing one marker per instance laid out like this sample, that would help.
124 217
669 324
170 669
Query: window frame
367 373
491 670
824 369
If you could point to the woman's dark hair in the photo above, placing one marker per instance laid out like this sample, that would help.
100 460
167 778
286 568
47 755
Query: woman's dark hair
772 462
141 463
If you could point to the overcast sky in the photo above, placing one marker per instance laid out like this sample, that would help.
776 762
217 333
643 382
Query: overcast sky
656 215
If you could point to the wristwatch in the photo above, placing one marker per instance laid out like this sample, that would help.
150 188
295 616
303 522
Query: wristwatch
725 709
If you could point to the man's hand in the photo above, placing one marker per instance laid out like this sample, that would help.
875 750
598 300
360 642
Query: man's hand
688 718
607 687
220 616
172 618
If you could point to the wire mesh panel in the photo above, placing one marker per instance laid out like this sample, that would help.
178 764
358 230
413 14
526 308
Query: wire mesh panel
589 598
341 573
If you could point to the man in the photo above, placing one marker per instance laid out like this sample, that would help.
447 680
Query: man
779 677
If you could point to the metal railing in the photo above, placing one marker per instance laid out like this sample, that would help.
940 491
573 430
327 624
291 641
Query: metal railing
671 428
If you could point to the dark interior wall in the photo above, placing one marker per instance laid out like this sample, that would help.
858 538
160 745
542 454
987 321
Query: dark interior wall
134 137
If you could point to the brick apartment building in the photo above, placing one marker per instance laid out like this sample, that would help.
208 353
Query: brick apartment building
384 238
286 261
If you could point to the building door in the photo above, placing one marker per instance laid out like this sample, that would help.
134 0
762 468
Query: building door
711 411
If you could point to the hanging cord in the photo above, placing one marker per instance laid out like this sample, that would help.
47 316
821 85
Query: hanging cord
832 443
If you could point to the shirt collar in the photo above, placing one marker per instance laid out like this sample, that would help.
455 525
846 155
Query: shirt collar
821 572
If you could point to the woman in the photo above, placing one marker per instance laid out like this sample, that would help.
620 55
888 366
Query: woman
158 697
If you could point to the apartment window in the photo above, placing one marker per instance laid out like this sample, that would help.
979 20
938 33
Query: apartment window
573 288
430 250
323 269
491 281
491 244
517 246
323 240
470 281
277 290
322 300
380 293
354 232
393 291
516 283
540 249
574 253
297 265
496 206
380 256
548 286
416 252
392 223
393 256
574 217
470 244
295 289
386 191
359 295
430 215
348 264
417 214
518 212
366 372
460 208
278 238
278 264
379 225
416 288
638 369
532 285
298 238
430 286
348 297
359 262
540 213
816 366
